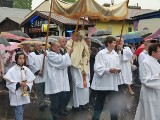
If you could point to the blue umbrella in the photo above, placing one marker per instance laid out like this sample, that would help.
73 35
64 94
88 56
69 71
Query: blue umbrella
132 37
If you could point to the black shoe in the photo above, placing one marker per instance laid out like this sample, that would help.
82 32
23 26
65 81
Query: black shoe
63 113
76 109
42 107
84 107
66 110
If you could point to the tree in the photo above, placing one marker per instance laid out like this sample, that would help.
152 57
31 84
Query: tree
24 4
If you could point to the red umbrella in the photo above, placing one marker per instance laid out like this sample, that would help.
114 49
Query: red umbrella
11 37
13 46
139 50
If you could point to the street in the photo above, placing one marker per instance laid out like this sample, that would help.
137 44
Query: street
32 112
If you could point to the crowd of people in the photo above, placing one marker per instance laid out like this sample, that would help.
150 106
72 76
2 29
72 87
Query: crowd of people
79 75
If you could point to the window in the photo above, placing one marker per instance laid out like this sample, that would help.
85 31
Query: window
129 29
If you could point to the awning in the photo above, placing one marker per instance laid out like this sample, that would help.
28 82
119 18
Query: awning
90 8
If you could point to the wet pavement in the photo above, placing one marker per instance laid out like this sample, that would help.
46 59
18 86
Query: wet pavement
32 112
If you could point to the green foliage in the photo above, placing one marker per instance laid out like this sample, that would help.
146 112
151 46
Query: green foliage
24 4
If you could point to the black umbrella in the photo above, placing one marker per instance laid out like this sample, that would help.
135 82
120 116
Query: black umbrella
4 41
102 33
96 42
19 33
146 35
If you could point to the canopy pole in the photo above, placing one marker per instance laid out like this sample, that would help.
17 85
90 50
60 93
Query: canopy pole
46 42
123 25
122 30
83 23
79 17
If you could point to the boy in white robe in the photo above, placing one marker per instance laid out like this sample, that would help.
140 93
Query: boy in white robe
149 107
125 55
19 81
105 80
56 74
144 53
125 76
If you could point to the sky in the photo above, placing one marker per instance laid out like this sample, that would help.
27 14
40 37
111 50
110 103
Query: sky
145 4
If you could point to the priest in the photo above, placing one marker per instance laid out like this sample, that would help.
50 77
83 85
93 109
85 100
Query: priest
149 107
79 71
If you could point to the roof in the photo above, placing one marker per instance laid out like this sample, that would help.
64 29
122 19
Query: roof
134 12
63 20
15 19
153 14
58 19
12 12
44 6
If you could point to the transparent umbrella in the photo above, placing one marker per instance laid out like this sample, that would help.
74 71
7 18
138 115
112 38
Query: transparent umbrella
4 41
19 33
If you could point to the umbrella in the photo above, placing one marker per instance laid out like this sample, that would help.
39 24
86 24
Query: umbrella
139 50
13 46
101 33
33 42
19 33
154 35
96 42
135 36
146 35
13 38
4 41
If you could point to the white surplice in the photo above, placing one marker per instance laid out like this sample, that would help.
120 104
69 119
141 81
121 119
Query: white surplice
103 79
144 54
35 64
56 73
125 66
13 76
149 107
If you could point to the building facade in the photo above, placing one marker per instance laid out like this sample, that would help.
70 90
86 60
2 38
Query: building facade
116 26
149 21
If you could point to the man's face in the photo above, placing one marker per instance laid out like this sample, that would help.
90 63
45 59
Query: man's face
62 42
120 43
27 47
112 45
157 54
38 46
75 36
56 47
